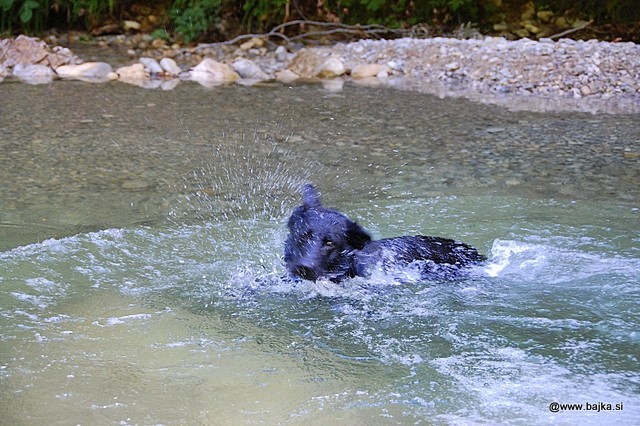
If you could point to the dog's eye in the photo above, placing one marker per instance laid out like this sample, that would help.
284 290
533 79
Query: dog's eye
328 243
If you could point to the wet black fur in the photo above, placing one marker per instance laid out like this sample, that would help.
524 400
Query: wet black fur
324 243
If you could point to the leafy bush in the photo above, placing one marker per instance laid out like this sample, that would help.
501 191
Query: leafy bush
194 18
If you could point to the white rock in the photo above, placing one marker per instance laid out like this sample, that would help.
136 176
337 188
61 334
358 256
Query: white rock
211 71
396 64
452 66
151 65
132 25
89 71
251 43
33 73
286 76
170 66
132 73
248 69
367 70
330 68
281 53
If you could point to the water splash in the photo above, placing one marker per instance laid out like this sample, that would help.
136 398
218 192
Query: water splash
255 179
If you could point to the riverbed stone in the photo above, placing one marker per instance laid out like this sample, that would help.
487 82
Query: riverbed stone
134 73
170 66
151 65
281 53
368 70
331 68
88 71
286 76
212 71
33 73
305 63
129 25
248 69
31 50
252 43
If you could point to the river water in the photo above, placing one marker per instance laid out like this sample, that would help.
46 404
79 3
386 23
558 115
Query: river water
141 236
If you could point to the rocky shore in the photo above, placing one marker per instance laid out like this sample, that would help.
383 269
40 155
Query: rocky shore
570 75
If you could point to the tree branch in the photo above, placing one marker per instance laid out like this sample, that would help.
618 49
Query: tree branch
338 28
572 30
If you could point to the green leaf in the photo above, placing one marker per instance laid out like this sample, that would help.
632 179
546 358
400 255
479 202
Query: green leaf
7 4
25 15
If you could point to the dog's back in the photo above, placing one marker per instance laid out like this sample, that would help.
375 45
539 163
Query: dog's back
397 252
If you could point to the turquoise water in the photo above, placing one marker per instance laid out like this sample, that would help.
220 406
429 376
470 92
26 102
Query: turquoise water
140 277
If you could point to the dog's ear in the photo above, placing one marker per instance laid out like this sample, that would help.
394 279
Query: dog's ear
357 237
310 196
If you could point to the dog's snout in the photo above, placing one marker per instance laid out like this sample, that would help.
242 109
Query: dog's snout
306 272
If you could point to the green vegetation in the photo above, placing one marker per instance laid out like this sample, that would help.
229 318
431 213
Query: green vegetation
189 20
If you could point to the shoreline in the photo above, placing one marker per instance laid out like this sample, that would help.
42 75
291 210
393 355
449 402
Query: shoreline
565 75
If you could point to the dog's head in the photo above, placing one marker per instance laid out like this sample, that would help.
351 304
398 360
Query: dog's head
321 241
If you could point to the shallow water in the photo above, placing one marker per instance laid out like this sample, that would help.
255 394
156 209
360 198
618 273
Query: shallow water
142 231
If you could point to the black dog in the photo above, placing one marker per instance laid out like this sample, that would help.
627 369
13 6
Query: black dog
324 243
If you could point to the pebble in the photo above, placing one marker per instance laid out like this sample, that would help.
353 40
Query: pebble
281 54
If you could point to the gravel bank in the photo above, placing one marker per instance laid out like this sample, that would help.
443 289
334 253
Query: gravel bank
545 75
524 74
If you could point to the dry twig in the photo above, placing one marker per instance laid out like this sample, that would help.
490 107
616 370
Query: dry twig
572 30
337 28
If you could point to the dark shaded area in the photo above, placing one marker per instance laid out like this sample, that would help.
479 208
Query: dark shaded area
217 20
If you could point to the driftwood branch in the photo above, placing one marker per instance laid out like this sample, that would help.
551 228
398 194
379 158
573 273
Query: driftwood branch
572 30
335 28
